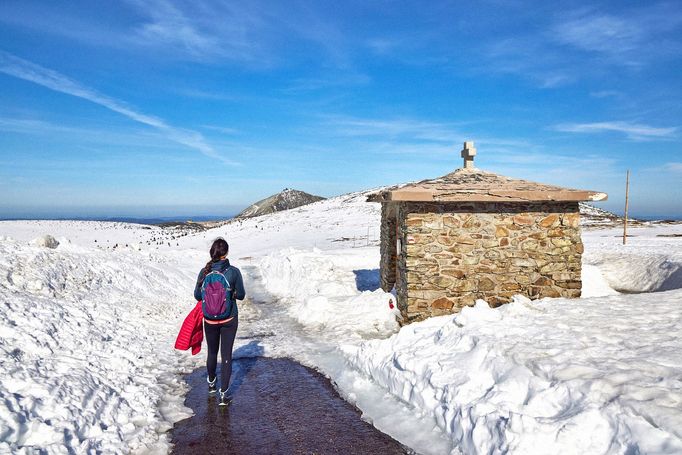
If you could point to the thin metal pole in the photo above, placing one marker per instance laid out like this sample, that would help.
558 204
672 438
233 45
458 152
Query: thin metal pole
627 197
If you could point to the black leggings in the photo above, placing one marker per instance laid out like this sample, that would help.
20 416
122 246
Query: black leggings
220 335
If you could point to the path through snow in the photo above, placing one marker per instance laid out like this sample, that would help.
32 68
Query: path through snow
279 406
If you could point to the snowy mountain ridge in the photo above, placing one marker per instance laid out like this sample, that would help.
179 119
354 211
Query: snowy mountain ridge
594 217
287 199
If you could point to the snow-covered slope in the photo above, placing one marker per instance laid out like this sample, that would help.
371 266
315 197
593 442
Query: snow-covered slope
592 216
86 335
96 234
342 222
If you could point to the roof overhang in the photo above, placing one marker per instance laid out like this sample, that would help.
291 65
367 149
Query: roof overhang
412 194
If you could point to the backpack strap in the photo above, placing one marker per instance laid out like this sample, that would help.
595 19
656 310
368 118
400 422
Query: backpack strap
202 278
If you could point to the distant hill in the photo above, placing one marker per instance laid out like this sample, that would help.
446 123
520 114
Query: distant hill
592 216
285 200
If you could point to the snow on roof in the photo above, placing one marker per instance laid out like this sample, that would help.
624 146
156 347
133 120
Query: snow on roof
475 185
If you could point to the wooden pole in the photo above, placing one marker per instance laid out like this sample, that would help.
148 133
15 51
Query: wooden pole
627 196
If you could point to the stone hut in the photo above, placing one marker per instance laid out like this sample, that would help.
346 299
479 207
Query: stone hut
473 234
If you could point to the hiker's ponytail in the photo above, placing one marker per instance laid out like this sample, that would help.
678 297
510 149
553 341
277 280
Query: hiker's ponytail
219 248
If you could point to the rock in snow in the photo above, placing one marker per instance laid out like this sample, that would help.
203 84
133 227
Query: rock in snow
46 241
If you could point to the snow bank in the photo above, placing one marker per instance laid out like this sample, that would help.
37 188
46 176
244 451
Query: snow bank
600 375
594 283
325 291
650 262
650 272
85 350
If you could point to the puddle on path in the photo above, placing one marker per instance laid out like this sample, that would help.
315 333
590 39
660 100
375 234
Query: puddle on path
279 407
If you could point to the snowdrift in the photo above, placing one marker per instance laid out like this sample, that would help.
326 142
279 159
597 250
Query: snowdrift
322 292
650 262
84 345
598 375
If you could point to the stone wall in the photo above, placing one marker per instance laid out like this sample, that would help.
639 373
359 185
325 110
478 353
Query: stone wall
455 253
388 246
401 284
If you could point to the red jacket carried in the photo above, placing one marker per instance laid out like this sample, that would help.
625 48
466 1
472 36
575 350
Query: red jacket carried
191 333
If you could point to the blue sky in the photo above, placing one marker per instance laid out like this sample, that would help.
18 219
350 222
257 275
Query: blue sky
156 108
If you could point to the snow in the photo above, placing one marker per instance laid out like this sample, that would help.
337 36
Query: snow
595 217
85 350
83 233
650 261
544 376
87 329
339 223
320 291
46 241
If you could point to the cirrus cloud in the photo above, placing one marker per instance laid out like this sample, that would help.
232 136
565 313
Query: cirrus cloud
633 131
28 71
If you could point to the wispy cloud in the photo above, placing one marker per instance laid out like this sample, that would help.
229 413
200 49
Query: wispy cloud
217 30
530 57
675 167
383 45
420 147
671 168
337 80
606 94
23 69
395 128
221 129
607 34
440 141
209 95
633 131
32 126
631 38
419 136
582 43
94 138
200 31
252 33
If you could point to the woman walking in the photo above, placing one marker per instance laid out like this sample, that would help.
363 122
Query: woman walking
219 286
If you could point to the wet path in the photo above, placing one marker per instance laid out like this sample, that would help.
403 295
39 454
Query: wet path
279 407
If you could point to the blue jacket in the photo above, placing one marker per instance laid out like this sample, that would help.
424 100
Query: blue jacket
233 276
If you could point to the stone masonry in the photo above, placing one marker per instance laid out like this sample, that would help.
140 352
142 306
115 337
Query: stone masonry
388 246
443 256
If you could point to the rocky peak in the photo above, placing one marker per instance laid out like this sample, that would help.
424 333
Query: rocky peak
285 200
